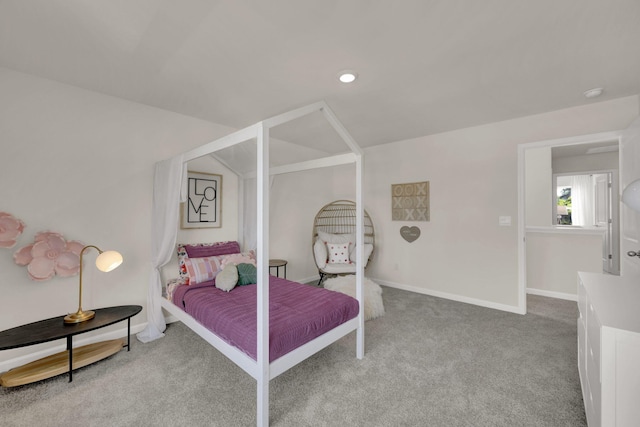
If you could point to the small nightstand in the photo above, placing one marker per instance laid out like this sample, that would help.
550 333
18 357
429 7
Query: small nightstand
277 263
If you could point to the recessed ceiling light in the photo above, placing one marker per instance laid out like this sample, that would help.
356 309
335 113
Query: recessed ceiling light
347 76
593 93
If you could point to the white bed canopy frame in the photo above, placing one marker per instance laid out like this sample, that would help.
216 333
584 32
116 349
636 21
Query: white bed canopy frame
168 185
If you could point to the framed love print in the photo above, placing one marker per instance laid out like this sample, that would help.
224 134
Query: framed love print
203 208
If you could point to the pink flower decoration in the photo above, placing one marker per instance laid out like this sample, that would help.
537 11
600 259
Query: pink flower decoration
50 254
10 228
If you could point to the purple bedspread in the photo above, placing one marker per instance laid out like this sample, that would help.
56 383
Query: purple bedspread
298 313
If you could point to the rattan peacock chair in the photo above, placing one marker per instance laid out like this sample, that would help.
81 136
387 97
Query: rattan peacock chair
336 223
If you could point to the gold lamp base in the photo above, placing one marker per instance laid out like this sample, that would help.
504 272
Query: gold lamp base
79 316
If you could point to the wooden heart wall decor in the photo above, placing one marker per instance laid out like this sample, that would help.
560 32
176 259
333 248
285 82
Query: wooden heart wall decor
409 234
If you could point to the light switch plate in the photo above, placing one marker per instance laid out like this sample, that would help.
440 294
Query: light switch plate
504 221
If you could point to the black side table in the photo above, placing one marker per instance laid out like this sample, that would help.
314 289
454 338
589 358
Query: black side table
277 263
55 328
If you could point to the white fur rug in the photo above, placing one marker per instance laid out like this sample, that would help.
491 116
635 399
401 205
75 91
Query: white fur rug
373 305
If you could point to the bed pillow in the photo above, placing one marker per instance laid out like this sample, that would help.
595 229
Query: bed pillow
247 274
227 279
202 269
201 250
320 253
338 253
242 258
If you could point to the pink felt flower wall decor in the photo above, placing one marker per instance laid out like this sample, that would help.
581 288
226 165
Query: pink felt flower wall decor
10 229
48 255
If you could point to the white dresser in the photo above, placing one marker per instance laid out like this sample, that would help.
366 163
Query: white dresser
609 349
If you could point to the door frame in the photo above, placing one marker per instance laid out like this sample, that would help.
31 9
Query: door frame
522 148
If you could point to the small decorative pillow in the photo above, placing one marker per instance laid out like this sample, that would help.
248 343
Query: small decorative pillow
235 259
227 279
247 274
202 269
338 253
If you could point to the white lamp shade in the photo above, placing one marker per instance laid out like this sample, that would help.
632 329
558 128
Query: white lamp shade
108 260
562 210
631 195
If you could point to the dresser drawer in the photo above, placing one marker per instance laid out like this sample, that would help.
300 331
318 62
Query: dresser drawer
582 298
593 379
593 332
591 411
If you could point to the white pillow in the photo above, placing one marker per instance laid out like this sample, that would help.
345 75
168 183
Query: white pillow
338 253
336 238
320 253
368 248
227 279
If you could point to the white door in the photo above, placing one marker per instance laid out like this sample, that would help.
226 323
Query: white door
630 220
606 218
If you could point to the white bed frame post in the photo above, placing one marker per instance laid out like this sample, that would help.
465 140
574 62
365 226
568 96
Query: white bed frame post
359 154
263 277
360 255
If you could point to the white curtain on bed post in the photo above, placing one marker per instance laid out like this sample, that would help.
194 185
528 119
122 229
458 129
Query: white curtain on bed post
167 186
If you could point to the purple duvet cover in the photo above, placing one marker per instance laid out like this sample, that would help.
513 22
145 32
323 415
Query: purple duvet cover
297 313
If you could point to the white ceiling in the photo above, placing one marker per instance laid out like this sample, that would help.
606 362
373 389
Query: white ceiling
425 66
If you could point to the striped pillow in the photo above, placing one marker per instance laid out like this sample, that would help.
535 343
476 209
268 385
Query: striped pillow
202 269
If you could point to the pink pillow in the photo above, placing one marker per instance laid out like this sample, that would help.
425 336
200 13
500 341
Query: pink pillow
202 269
235 259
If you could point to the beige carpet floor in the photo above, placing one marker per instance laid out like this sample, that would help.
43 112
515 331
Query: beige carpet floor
429 362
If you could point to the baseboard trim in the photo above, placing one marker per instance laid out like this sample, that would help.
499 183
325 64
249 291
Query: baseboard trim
552 294
453 297
77 342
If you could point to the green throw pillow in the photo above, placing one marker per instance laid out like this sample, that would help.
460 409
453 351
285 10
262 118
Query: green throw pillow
247 274
227 278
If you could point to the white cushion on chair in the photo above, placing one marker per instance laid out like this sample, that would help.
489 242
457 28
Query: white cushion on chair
368 248
320 253
339 268
336 238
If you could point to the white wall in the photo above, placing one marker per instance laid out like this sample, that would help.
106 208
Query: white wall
295 200
463 253
538 187
81 164
590 162
555 256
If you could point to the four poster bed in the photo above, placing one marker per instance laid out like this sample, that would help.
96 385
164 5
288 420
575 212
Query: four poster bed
264 347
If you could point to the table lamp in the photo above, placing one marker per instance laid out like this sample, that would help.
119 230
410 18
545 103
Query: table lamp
106 261
631 195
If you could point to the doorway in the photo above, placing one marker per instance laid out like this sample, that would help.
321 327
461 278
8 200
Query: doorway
564 156
587 200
